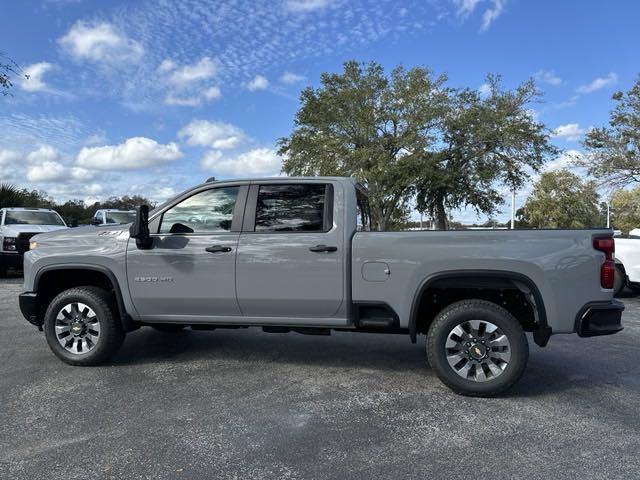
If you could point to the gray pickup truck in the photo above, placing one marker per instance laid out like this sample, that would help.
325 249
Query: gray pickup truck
296 254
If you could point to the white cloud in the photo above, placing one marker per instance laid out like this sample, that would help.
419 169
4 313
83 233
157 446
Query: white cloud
302 6
134 153
290 78
258 83
207 95
465 7
202 70
100 42
93 189
167 65
565 160
44 153
35 72
212 93
218 135
259 161
82 174
548 76
598 83
46 171
484 89
570 132
8 156
491 14
177 101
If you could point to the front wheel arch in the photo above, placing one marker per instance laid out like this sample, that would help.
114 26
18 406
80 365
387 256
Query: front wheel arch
53 279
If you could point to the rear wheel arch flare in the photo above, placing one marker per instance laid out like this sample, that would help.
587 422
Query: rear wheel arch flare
491 277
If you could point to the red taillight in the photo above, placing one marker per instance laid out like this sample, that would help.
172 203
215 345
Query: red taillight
606 245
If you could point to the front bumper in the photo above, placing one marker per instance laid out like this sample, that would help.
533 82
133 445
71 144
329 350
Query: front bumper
11 260
600 318
29 307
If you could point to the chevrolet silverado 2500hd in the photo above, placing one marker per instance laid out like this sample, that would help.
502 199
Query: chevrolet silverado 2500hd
296 254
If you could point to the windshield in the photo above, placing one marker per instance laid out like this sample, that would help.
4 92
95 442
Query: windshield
120 217
32 218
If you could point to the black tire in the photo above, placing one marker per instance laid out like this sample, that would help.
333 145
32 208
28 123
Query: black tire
635 287
111 333
460 312
168 328
619 281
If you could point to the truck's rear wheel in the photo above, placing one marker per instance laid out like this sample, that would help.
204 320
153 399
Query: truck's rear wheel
82 327
477 348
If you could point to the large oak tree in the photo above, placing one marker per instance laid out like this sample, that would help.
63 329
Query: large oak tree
408 136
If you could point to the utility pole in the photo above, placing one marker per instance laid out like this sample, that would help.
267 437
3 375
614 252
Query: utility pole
513 209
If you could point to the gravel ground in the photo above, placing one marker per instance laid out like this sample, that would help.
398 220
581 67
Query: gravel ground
241 404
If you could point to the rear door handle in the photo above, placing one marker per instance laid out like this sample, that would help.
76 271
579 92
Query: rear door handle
218 249
323 248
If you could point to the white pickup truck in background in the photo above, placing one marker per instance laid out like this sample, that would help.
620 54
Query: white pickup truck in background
17 226
627 259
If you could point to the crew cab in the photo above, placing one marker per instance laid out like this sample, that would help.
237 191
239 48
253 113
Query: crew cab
109 216
17 226
297 254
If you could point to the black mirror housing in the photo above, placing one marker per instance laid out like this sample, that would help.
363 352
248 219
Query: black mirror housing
140 228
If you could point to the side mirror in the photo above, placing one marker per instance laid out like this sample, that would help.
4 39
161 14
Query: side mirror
140 228
95 222
74 223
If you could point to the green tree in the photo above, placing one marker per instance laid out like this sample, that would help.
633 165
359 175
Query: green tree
9 195
484 142
409 136
561 199
625 209
613 152
364 124
8 69
125 203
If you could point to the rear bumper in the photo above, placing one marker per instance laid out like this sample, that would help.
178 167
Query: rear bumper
600 318
11 260
29 307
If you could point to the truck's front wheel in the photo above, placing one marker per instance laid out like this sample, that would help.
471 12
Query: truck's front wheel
82 326
477 348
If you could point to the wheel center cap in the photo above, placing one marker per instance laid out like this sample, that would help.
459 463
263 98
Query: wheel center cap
77 328
478 351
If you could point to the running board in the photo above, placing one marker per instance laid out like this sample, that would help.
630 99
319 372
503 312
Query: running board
376 322
302 330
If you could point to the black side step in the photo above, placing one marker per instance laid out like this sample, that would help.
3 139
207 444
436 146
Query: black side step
302 330
376 322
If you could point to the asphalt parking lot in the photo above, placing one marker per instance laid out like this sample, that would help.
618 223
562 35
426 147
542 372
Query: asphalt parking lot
241 404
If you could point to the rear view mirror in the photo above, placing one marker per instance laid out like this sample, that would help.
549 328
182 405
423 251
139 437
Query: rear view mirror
140 228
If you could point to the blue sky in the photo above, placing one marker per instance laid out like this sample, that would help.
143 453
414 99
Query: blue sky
151 97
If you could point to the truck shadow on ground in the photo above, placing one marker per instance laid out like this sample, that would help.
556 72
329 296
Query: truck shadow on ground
394 357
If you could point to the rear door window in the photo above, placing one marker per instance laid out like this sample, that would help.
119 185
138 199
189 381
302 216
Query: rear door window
293 208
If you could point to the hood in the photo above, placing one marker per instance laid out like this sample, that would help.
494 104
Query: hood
79 233
14 230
